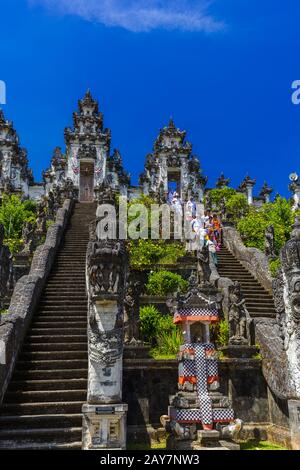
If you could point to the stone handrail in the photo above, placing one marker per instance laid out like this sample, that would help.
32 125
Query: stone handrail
252 259
26 296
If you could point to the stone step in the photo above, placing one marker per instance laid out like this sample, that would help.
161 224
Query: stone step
50 374
262 303
69 338
54 318
60 324
63 308
53 384
25 445
49 315
42 408
40 396
58 331
63 302
40 435
258 289
242 275
50 296
28 347
67 284
258 296
38 421
52 355
52 364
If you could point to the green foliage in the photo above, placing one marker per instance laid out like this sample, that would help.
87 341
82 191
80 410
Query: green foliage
237 205
165 282
257 356
14 244
278 213
166 324
144 253
219 195
149 321
260 445
274 266
168 343
13 214
160 330
220 333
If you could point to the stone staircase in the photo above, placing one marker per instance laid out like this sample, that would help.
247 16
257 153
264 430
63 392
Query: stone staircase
259 302
42 406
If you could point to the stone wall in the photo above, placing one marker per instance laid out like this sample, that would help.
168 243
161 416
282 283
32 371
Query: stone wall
253 259
148 383
26 296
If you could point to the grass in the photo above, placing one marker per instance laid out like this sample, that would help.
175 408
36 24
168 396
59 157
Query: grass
260 445
249 445
159 356
146 446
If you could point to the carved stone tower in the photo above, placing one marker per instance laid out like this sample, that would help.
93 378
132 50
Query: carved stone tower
172 162
15 175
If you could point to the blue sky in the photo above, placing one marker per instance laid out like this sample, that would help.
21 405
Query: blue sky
222 69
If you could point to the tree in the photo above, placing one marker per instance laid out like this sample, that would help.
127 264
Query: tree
13 214
237 205
278 213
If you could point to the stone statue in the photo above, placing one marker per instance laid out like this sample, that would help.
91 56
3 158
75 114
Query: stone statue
28 237
41 227
161 193
270 242
50 205
131 311
203 268
104 192
6 268
67 190
238 316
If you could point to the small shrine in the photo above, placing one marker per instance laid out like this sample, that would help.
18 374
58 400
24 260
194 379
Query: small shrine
198 415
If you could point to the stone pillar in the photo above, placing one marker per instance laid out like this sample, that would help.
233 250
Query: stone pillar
295 189
294 418
249 188
104 414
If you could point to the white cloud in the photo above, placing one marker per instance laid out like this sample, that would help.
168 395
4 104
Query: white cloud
140 15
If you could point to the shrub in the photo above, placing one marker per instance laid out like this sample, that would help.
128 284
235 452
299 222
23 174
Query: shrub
149 321
220 195
13 214
237 205
165 282
145 253
220 333
166 324
168 342
278 213
274 266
